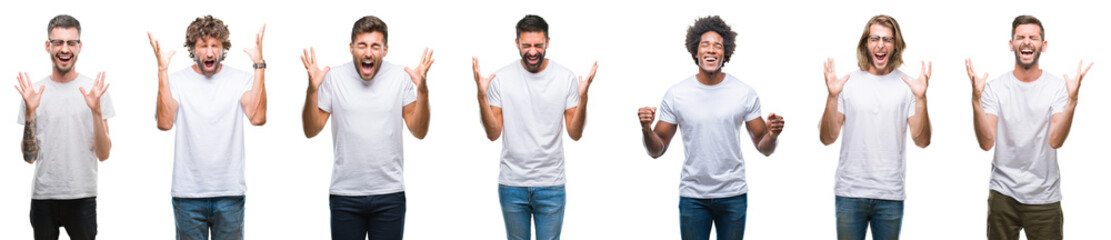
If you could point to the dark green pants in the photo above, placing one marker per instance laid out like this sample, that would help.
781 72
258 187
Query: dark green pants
1006 216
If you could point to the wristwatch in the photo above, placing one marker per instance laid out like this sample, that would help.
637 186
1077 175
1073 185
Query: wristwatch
259 65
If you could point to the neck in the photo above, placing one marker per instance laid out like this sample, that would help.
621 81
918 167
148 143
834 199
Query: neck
63 77
1027 74
710 78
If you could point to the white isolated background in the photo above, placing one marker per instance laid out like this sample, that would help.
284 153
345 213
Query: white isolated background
615 191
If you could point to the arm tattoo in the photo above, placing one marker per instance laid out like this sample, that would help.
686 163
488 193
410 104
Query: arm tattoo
30 143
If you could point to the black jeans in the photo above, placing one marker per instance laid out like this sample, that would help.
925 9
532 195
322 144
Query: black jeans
78 216
362 217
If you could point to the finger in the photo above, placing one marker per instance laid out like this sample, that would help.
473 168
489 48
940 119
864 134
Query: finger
492 76
171 55
82 89
326 69
985 76
17 89
104 89
42 88
845 79
593 70
313 58
1085 73
906 80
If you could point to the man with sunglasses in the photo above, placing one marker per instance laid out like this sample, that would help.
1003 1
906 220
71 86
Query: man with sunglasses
874 106
64 137
208 102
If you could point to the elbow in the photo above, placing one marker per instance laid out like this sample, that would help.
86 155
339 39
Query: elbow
767 153
827 141
102 157
575 137
310 133
492 138
985 147
922 144
259 121
165 126
420 136
1056 145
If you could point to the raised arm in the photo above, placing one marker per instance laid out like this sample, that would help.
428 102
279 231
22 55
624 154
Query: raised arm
983 123
657 140
101 143
491 116
1061 123
575 118
30 143
830 126
254 100
312 117
765 135
417 113
166 107
920 129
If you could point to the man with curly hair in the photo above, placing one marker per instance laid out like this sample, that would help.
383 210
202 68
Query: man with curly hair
875 109
709 107
1026 115
63 138
208 103
531 100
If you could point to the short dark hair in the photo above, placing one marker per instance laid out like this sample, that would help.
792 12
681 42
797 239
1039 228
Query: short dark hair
1027 19
63 21
369 24
532 23
207 26
711 24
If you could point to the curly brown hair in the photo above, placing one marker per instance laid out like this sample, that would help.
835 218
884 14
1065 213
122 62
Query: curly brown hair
204 27
708 24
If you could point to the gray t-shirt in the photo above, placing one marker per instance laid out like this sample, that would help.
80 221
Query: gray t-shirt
532 121
874 136
1025 166
367 127
67 164
710 119
208 148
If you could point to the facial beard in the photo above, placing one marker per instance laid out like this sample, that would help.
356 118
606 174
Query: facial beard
373 68
532 67
1018 58
200 65
57 66
711 71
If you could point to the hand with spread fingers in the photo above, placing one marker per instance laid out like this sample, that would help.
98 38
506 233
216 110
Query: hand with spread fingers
483 82
316 75
978 82
256 53
1073 83
918 86
92 97
584 84
162 57
834 84
420 73
30 96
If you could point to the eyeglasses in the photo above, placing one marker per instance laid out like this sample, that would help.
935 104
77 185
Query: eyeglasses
71 43
877 38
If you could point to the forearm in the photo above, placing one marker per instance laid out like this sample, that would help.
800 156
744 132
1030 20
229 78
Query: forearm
1060 128
422 114
829 128
923 131
166 107
30 144
102 143
311 121
489 122
985 135
255 106
767 144
653 143
578 122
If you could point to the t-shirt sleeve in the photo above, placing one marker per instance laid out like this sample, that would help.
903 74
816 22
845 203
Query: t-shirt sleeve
20 119
408 90
324 94
573 93
250 81
989 101
841 101
493 92
107 109
666 112
1060 99
911 101
753 107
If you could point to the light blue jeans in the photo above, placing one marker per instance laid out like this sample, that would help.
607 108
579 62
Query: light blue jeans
195 217
697 215
855 214
521 205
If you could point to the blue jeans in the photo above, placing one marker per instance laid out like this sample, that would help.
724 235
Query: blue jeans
520 205
195 217
78 216
696 215
855 214
373 216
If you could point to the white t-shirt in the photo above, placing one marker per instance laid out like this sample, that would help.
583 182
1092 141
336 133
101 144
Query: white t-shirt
532 121
710 118
1025 166
367 126
208 147
67 164
874 135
